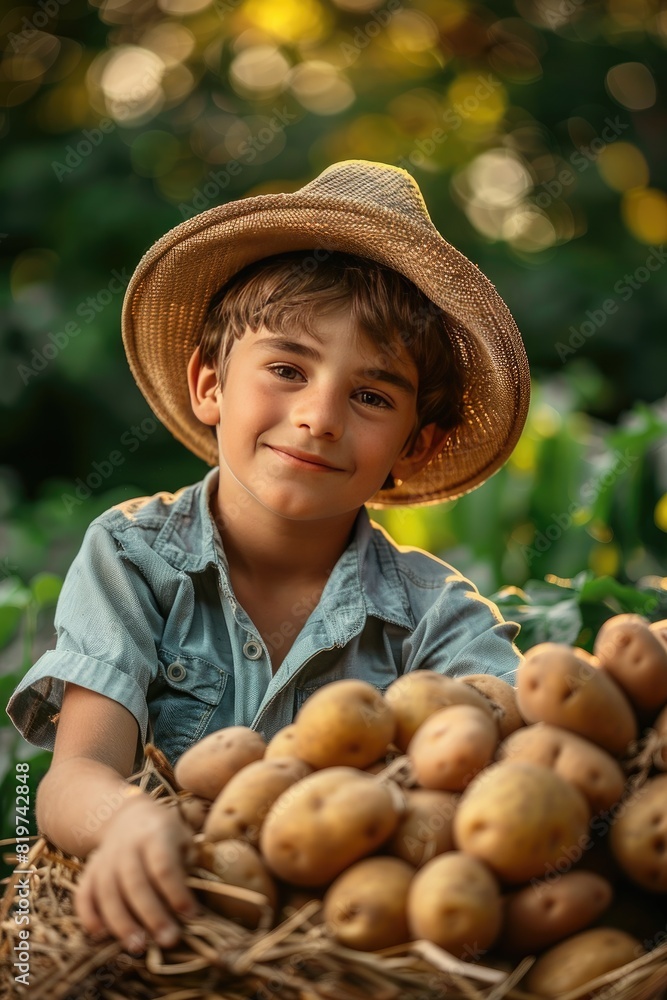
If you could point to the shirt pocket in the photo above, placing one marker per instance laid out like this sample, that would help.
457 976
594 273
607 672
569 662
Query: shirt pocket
301 694
182 699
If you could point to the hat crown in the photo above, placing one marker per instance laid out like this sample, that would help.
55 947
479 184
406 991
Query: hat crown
365 182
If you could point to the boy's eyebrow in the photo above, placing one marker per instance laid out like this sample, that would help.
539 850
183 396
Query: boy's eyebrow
374 374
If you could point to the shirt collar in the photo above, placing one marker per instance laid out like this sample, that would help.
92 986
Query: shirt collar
365 580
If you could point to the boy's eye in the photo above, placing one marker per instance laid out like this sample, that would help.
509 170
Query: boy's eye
285 371
373 399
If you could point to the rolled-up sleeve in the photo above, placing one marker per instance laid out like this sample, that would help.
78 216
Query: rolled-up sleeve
463 633
108 627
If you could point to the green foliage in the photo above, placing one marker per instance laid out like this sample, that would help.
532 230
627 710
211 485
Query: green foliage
572 611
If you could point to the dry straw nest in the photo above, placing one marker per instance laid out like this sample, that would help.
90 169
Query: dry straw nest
219 960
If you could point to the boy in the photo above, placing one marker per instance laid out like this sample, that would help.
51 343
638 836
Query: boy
324 349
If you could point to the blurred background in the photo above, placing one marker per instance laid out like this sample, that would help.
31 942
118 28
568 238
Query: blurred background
537 131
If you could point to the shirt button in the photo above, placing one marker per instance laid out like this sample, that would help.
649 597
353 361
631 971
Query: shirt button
252 650
176 671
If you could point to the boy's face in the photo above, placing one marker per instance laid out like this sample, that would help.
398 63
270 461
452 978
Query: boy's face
311 426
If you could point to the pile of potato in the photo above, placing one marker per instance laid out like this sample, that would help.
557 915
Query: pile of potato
511 828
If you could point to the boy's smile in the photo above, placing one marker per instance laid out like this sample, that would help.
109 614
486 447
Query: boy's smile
310 426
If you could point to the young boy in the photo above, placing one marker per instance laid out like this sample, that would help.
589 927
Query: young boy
324 349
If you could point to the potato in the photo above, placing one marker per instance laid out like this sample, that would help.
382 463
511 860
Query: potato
659 629
580 959
638 838
542 913
326 821
283 743
454 901
503 700
519 818
660 727
636 659
237 863
347 723
425 829
241 807
563 686
207 766
415 696
452 746
366 907
586 766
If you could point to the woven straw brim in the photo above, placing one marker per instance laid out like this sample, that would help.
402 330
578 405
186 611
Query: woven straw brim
167 299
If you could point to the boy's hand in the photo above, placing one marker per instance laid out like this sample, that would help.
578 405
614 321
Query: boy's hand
134 882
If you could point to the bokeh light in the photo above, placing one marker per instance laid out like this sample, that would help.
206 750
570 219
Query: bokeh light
259 71
632 85
623 166
320 88
645 214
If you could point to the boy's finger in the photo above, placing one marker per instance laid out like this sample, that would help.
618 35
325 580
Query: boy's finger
168 875
84 904
117 913
147 904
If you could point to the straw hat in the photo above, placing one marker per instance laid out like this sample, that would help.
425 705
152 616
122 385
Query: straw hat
370 209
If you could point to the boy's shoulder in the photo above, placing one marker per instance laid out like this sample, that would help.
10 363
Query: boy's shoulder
171 525
414 564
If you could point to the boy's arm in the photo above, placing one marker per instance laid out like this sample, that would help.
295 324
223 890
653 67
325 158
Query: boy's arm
134 878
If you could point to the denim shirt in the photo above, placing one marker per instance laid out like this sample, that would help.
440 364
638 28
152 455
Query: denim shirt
147 616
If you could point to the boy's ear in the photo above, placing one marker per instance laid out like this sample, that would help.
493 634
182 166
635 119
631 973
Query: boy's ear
203 385
426 444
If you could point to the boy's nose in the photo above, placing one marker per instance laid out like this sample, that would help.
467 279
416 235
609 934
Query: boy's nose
320 412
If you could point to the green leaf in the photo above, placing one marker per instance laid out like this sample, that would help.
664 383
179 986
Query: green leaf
10 618
45 588
13 593
548 623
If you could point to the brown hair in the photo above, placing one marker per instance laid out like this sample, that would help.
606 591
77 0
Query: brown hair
294 287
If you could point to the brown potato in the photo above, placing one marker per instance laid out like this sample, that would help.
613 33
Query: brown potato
584 764
452 746
563 686
454 901
638 837
207 766
241 807
326 821
415 696
366 907
503 700
580 959
344 724
425 829
659 629
660 727
283 744
238 864
542 913
636 659
520 818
